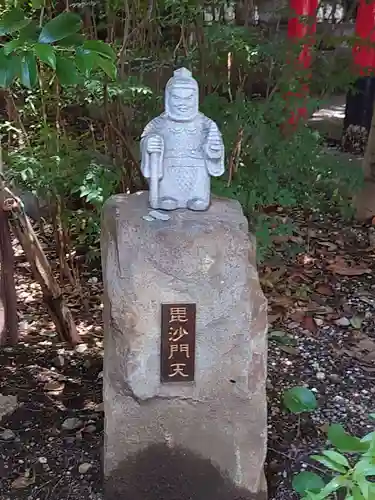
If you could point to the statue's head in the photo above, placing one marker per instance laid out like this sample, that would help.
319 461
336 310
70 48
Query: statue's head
182 96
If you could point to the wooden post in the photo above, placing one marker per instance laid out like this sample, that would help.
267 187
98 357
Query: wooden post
52 293
9 335
8 297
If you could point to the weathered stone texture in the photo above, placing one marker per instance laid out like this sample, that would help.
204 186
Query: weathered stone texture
203 258
7 405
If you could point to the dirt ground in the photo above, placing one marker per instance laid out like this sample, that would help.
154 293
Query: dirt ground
321 290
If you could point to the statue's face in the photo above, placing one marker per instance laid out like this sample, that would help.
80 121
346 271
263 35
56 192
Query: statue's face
182 103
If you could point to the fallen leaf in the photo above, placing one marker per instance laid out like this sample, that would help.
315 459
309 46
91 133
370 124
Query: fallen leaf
289 349
368 300
331 246
270 277
72 423
281 337
277 334
7 435
368 369
342 322
356 322
363 350
23 481
309 324
272 318
343 268
325 290
324 428
54 386
284 238
83 468
319 321
302 293
281 300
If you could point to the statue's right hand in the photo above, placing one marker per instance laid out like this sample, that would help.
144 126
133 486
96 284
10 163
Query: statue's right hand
155 145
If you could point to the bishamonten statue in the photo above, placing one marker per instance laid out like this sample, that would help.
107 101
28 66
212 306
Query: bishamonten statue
181 149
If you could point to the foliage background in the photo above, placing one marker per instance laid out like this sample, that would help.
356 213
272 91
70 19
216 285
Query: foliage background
73 112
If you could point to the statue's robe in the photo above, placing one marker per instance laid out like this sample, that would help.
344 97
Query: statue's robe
185 166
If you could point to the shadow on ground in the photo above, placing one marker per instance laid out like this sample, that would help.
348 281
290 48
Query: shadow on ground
159 472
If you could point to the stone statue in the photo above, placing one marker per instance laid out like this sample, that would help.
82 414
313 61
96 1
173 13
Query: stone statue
181 149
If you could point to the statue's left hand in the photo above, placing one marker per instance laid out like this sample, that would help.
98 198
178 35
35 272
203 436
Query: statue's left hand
215 146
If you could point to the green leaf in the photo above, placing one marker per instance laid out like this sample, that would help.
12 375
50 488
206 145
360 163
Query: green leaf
310 496
37 4
85 61
330 464
368 437
299 399
356 322
66 71
8 69
307 481
101 48
12 45
29 33
60 27
372 416
364 468
337 457
356 492
72 41
335 484
29 70
343 441
13 20
46 54
107 66
364 486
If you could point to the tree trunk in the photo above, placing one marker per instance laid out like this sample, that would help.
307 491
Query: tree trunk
8 297
369 158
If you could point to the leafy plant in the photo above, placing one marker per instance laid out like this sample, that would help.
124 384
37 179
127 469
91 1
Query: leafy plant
55 45
352 473
59 79
299 400
37 59
276 170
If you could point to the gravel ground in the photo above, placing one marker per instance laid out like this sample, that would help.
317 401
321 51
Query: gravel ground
322 335
329 348
51 445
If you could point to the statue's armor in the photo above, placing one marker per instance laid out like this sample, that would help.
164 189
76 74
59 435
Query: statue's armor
184 157
183 142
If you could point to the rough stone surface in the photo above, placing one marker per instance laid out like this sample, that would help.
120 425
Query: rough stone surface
206 259
7 405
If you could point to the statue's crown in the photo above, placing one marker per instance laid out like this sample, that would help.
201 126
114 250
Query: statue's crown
182 77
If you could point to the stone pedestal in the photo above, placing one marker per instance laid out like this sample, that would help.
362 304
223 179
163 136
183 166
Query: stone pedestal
200 440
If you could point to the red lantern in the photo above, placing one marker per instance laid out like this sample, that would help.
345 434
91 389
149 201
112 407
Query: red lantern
363 53
301 29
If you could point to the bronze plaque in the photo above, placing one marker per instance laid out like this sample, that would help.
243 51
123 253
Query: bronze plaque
177 361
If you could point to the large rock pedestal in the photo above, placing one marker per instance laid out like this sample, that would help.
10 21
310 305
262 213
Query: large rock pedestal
204 440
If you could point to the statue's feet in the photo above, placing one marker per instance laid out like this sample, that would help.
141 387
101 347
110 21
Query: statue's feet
168 204
197 204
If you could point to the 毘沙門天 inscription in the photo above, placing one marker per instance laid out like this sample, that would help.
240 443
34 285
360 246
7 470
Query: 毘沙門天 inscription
177 342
